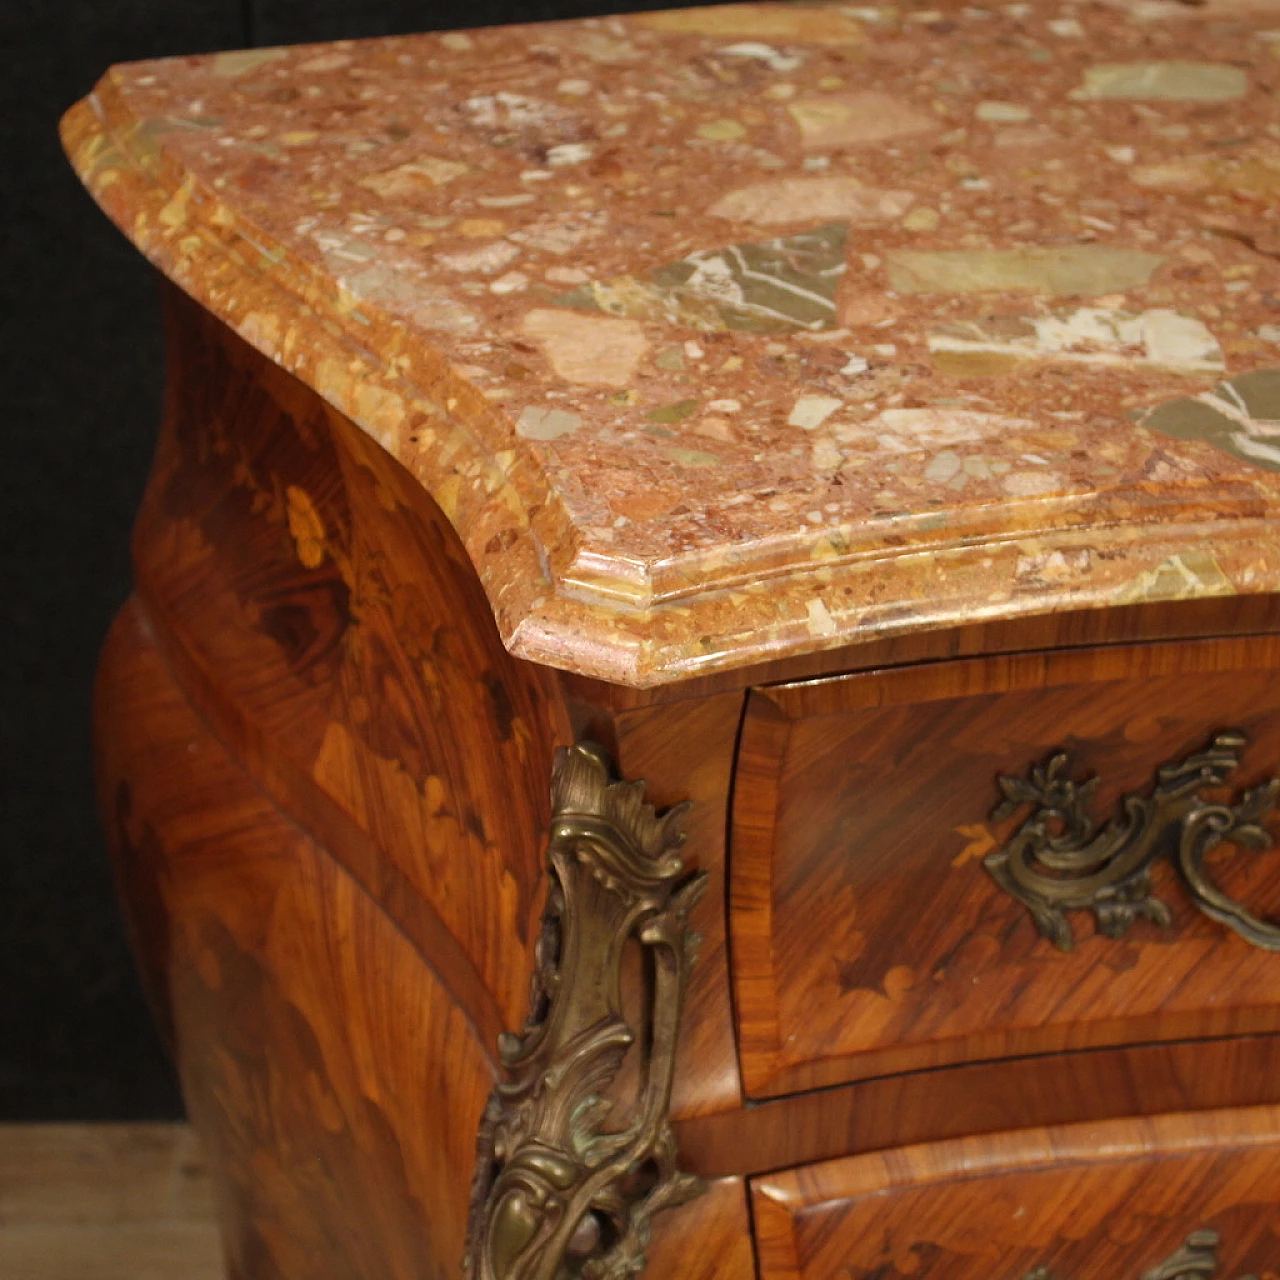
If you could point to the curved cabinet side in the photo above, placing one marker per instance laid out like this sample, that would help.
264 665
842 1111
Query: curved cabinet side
318 609
335 1083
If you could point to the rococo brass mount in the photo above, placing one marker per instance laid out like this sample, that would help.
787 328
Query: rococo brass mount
1197 1259
556 1194
1059 859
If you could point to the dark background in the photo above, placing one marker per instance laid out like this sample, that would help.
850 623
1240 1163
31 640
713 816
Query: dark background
80 365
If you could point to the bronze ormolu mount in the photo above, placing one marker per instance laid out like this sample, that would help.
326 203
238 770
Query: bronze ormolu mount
1060 859
557 1194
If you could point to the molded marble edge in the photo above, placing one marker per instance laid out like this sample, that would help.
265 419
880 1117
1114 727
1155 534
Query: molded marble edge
547 610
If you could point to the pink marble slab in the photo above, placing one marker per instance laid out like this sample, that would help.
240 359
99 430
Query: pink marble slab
737 333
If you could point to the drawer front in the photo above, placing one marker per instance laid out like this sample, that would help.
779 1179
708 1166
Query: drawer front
1126 1200
872 933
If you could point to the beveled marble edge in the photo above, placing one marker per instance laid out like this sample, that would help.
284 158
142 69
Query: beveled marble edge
547 609
298 318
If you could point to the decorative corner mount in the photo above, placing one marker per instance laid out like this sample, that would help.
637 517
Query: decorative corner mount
556 1195
1197 1259
1060 859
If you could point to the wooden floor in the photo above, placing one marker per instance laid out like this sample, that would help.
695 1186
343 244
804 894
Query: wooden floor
105 1202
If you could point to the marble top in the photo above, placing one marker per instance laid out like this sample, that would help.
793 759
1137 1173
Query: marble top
735 333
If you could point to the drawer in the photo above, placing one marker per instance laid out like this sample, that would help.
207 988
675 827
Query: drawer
870 932
1126 1200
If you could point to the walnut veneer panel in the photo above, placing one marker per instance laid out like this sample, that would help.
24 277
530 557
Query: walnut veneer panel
1082 1202
983 1097
760 330
867 935
336 1084
315 1045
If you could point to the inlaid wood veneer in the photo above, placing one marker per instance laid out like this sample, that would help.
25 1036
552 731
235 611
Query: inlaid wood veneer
629 490
1117 1199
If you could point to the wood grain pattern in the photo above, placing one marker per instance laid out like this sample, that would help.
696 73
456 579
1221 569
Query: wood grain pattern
106 1202
708 1239
984 1097
296 573
336 1084
130 1251
322 616
860 819
318 614
1085 1202
102 1175
132 1202
314 1044
685 751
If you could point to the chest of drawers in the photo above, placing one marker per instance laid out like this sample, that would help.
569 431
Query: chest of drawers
700 695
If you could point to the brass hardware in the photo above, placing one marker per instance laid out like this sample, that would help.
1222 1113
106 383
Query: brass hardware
1195 1260
556 1195
1061 860
1198 1257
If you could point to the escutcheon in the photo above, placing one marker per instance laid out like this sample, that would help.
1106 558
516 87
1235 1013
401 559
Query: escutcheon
558 1192
1060 859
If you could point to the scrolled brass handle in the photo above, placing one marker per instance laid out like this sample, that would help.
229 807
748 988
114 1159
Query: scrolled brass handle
556 1192
1061 859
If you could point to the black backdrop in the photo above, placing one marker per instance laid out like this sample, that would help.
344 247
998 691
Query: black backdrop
80 380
